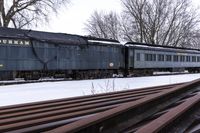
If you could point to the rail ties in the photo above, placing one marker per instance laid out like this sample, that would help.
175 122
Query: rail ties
152 109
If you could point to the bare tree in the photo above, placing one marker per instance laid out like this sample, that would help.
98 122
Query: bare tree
193 40
163 22
104 25
24 13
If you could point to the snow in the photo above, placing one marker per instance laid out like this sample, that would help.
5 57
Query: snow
105 42
196 51
33 92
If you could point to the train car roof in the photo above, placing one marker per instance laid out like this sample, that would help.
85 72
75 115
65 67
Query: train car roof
53 37
101 41
159 47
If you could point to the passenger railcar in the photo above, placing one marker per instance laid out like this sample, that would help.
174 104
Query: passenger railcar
144 59
33 54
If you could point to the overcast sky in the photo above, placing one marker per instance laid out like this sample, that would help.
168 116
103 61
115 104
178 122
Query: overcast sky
71 19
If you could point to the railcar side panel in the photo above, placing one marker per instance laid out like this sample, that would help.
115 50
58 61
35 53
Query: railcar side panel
149 58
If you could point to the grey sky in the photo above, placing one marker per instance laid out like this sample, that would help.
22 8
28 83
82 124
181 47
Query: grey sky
71 19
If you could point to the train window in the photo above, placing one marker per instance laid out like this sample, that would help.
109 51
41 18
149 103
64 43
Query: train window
154 57
147 57
188 58
168 58
198 59
161 57
138 56
182 58
150 57
175 58
194 58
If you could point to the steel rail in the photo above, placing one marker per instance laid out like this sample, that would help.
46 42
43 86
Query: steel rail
55 114
169 117
19 118
120 116
64 101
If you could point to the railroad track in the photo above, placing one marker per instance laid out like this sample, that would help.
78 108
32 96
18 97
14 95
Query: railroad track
171 108
22 81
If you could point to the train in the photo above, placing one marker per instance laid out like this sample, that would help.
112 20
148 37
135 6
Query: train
32 54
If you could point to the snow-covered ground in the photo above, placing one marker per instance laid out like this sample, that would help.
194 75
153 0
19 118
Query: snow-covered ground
25 93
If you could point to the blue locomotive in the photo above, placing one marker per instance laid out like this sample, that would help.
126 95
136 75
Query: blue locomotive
33 54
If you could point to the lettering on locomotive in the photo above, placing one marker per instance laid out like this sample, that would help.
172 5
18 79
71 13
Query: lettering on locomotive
15 42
